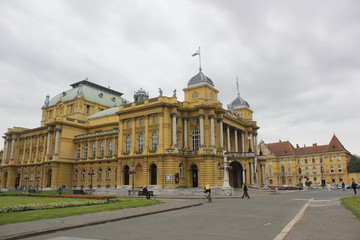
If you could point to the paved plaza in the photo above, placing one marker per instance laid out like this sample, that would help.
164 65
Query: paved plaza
263 216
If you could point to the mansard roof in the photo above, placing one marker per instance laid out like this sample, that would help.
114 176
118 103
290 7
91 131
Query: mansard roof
90 91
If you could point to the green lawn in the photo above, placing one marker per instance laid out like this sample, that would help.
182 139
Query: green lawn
16 217
352 204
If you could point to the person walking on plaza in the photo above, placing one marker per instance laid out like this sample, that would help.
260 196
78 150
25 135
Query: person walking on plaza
329 187
354 185
246 194
343 186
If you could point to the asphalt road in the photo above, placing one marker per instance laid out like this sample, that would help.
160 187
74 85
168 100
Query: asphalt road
261 217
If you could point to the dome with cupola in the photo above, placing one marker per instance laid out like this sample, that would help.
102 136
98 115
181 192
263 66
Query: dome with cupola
200 79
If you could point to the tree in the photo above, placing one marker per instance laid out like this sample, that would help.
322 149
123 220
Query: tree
354 164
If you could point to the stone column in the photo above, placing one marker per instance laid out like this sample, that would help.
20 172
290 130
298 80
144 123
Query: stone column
262 174
226 173
57 138
202 142
212 131
185 119
221 130
251 173
133 137
256 144
6 145
147 137
12 149
173 116
48 143
251 142
228 138
236 141
242 141
24 150
255 173
244 176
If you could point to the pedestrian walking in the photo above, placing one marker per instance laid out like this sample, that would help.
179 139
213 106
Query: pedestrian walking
329 187
354 185
343 186
246 194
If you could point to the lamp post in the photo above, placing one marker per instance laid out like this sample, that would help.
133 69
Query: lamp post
26 178
132 171
37 182
91 174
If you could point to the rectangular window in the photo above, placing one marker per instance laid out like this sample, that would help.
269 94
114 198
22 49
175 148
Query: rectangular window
154 119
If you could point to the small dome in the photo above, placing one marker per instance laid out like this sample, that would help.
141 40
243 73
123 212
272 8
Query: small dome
200 79
239 103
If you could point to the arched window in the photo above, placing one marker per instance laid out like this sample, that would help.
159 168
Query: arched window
322 169
181 170
196 139
154 140
299 171
102 148
128 144
83 174
289 171
314 169
141 142
77 151
332 169
108 173
93 149
271 182
306 170
86 148
110 147
100 174
339 168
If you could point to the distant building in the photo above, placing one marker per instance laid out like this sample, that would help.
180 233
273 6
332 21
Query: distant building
320 164
91 135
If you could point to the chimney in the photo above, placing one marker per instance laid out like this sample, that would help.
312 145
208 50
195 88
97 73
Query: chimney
279 140
314 144
297 145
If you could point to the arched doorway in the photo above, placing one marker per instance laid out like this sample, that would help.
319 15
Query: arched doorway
139 176
194 174
236 175
17 181
153 174
126 175
49 177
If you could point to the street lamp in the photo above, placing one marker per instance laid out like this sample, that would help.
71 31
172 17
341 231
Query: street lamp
91 174
132 171
37 182
26 178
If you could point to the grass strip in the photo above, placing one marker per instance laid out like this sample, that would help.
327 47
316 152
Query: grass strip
114 204
352 204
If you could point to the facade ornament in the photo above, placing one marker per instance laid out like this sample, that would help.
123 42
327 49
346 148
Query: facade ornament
47 101
174 93
160 92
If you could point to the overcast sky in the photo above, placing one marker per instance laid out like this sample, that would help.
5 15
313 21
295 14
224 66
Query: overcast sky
298 62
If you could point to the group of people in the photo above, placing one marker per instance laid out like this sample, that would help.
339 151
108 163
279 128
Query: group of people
207 189
353 186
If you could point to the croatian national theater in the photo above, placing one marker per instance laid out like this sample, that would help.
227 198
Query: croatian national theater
91 136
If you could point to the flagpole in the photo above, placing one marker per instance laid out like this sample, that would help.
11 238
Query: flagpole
199 59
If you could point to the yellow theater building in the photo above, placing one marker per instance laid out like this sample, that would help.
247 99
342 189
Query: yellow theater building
91 136
320 164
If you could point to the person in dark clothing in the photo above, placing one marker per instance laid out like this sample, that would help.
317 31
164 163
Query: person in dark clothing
246 194
146 192
354 185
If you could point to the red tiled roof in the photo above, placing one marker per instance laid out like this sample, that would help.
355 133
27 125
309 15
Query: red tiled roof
281 148
286 149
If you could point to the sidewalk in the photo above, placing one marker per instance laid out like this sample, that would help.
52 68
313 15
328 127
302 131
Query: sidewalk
33 228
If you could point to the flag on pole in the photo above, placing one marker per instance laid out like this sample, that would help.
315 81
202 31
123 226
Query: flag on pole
197 53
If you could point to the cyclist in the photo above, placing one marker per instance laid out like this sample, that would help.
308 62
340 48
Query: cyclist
208 191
